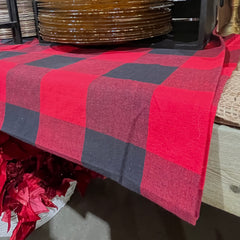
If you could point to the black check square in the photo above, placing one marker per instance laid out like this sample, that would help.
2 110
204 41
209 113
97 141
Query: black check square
103 154
150 73
55 61
113 158
179 52
7 54
133 168
21 123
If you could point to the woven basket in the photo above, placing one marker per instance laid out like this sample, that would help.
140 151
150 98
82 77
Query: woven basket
60 202
228 111
26 17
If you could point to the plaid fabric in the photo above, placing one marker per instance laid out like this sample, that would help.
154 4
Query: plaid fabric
142 117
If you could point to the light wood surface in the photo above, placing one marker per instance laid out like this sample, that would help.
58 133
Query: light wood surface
222 186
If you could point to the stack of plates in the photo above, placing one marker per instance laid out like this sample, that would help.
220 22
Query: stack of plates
26 17
4 17
102 21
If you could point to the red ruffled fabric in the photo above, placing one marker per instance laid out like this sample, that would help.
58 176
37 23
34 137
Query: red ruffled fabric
29 179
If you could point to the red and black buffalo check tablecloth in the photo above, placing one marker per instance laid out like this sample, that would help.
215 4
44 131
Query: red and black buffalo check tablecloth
142 117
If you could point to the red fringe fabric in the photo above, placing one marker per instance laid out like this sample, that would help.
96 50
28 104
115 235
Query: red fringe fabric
29 179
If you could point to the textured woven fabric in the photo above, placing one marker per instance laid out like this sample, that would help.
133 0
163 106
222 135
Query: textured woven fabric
142 117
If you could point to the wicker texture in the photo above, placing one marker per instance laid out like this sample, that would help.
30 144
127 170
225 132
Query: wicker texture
229 105
26 17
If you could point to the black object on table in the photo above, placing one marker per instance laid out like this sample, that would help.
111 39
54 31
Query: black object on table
193 23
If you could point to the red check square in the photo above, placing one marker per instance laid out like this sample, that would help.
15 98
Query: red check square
193 79
171 186
23 86
212 51
95 66
64 94
188 115
165 60
60 137
233 43
34 46
4 68
205 63
123 55
121 109
228 69
234 56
